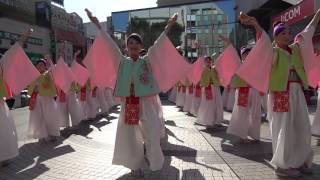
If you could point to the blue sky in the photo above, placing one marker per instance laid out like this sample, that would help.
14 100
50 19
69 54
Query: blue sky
103 8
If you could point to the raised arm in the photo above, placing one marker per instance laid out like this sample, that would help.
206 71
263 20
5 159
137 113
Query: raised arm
160 39
93 19
305 36
24 36
251 21
315 20
171 22
107 37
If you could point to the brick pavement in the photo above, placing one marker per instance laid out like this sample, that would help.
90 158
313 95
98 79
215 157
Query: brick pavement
191 152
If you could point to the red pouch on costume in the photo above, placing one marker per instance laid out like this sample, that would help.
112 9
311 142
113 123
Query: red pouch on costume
190 89
243 96
32 101
94 92
281 101
208 92
8 89
198 91
132 110
62 97
184 89
83 94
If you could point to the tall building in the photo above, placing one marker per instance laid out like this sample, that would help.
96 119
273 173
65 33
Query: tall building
162 3
203 22
52 25
17 16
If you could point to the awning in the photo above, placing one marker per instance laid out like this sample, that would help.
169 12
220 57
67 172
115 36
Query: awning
267 11
297 12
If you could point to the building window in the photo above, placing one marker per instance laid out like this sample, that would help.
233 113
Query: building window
191 24
206 20
207 11
219 17
198 18
194 12
220 31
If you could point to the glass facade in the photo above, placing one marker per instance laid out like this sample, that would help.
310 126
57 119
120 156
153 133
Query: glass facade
208 25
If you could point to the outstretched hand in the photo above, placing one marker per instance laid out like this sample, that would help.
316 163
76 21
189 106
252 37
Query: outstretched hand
249 20
93 19
246 19
23 37
171 22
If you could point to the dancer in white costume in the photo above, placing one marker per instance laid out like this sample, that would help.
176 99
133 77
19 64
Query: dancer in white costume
188 97
246 115
103 103
109 97
173 94
211 109
181 94
161 118
228 97
8 134
45 116
288 113
196 100
70 104
71 107
92 103
139 118
315 125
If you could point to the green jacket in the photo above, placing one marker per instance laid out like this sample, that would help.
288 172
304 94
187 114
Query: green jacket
75 87
45 84
209 76
139 74
237 82
280 69
3 89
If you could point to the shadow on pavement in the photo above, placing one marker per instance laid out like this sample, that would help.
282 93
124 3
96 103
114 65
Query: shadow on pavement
28 165
84 128
184 153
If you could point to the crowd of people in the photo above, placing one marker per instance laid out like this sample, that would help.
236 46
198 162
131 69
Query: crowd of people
266 78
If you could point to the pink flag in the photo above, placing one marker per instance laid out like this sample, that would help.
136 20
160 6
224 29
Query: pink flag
63 76
227 64
102 61
257 66
18 69
81 74
195 73
168 66
310 61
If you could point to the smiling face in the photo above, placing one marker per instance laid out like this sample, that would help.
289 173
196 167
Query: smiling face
41 67
283 38
208 61
134 47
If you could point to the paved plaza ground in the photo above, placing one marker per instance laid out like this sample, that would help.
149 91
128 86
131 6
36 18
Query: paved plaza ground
192 152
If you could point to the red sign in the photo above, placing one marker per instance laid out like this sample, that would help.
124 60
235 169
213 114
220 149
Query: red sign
297 12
